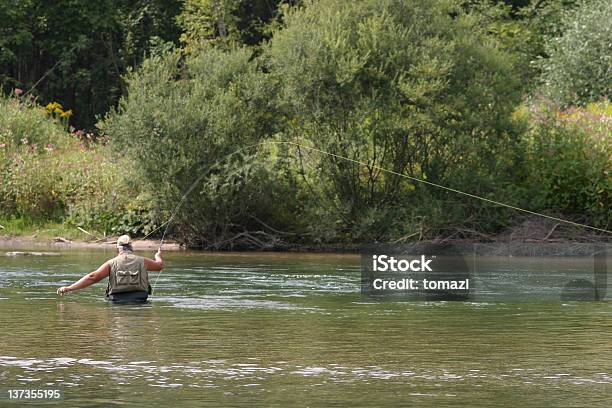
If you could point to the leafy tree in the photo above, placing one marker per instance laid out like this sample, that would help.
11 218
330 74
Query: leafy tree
408 86
76 51
183 118
223 22
579 68
521 27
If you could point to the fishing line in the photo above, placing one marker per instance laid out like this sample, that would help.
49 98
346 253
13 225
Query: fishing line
372 166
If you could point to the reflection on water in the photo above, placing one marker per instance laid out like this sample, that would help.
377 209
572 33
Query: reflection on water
293 330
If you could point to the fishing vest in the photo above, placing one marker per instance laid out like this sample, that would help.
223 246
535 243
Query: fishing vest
127 274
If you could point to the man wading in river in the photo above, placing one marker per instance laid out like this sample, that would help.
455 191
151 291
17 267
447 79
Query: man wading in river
128 278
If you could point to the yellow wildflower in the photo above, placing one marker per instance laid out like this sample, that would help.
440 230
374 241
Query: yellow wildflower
54 107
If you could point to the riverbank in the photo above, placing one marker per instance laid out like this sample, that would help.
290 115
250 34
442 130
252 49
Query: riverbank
21 233
29 242
545 237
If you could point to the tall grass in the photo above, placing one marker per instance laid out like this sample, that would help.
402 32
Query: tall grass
49 173
569 164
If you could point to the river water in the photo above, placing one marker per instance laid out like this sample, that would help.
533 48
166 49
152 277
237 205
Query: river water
294 330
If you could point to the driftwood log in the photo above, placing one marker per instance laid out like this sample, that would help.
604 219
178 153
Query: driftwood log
29 253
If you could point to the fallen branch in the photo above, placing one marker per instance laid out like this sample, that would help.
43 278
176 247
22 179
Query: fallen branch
19 253
551 231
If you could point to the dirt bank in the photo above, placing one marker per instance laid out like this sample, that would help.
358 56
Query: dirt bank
59 243
527 233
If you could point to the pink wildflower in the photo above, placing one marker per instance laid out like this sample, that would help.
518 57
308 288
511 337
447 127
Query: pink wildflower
18 91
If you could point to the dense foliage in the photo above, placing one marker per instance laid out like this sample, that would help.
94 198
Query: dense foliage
76 52
48 173
403 86
579 67
181 117
226 22
570 162
497 98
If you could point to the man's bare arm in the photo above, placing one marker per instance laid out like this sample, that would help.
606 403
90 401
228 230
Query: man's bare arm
154 265
87 280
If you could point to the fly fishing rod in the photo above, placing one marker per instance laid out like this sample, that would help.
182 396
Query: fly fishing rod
360 163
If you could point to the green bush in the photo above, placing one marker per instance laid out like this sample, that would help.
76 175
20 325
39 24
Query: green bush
28 136
411 86
185 117
569 165
24 123
47 173
579 66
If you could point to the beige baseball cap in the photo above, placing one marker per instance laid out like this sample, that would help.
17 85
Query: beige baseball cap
124 240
